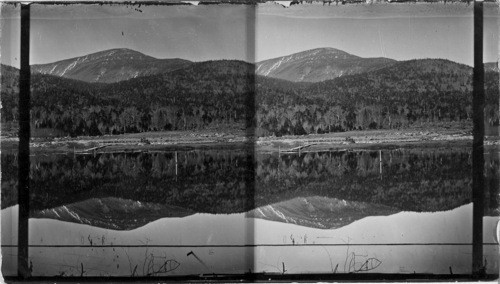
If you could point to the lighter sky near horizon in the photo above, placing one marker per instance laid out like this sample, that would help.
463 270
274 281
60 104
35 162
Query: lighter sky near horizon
199 33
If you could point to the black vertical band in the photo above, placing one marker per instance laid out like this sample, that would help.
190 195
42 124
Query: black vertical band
24 146
478 142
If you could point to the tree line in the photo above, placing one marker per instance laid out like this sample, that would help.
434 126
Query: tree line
222 182
409 93
227 93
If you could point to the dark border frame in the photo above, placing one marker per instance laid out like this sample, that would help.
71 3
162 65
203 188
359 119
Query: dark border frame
478 271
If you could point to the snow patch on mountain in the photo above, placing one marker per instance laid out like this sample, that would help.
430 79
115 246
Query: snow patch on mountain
318 64
110 66
320 212
112 213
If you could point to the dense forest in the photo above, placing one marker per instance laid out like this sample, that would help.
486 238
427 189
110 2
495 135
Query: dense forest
224 92
227 182
204 94
405 94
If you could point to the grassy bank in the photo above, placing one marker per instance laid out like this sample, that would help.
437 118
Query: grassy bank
237 138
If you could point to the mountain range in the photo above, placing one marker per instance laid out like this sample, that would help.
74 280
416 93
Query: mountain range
124 214
122 64
316 91
116 65
347 92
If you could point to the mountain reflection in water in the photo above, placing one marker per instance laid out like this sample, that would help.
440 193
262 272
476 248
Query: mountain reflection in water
204 212
123 191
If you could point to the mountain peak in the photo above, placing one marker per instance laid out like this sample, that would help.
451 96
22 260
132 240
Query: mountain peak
327 50
110 66
112 213
113 54
319 212
321 52
318 64
119 53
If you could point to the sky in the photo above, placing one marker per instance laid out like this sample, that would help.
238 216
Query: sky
244 32
197 33
400 31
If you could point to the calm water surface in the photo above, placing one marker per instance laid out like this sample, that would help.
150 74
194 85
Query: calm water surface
197 212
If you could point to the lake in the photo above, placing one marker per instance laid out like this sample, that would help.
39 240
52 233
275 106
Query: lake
233 212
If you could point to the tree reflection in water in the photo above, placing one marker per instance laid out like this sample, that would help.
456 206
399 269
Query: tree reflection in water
222 182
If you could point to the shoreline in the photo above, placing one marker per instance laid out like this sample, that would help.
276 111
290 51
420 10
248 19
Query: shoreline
233 140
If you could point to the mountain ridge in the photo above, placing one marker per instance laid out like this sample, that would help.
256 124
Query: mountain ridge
217 92
320 212
109 66
125 214
313 65
318 64
112 213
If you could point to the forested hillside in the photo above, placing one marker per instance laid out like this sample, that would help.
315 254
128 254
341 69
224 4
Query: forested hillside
416 91
221 93
195 97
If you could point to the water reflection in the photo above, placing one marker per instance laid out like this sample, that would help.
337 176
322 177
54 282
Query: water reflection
165 205
221 181
412 180
210 182
405 242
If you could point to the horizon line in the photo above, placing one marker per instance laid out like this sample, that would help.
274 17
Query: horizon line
233 59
